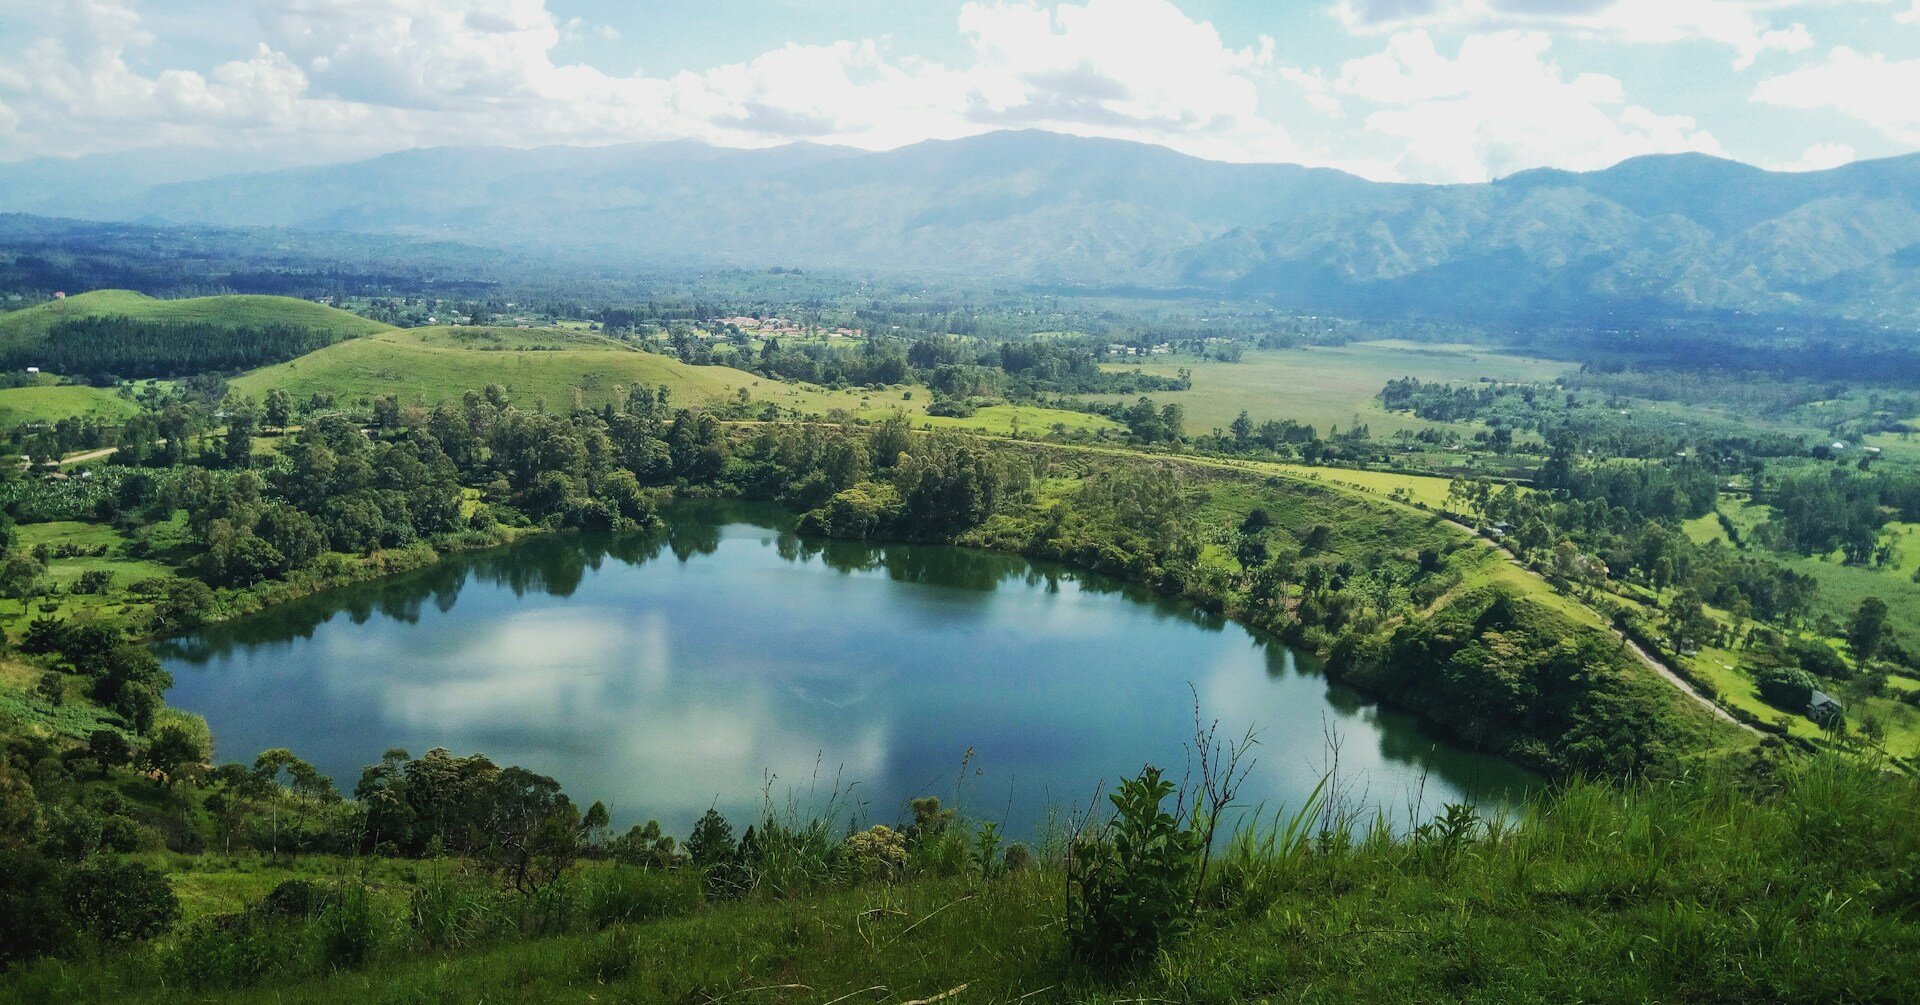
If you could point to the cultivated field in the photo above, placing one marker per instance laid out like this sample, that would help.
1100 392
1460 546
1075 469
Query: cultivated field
1332 385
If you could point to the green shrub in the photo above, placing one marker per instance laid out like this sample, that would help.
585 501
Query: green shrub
1785 688
447 913
120 901
345 933
230 951
1129 886
623 894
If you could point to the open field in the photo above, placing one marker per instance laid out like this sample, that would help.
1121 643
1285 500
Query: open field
31 325
1003 419
1842 586
1329 386
22 405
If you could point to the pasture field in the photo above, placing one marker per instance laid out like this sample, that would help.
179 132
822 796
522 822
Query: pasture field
1429 489
1842 586
87 537
20 406
1328 386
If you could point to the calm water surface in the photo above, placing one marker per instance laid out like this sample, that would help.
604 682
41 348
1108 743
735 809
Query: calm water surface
725 660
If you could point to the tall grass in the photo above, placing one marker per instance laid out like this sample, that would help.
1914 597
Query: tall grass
1719 887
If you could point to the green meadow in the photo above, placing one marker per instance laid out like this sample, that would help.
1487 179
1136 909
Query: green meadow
1328 386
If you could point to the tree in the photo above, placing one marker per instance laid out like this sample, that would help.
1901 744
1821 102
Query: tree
1868 629
279 409
711 842
237 447
1242 427
110 748
22 577
531 832
172 749
119 901
1785 687
33 920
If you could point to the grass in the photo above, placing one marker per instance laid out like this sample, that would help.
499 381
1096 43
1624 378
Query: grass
64 572
1028 420
553 367
1706 889
30 326
1428 489
536 366
21 406
1329 386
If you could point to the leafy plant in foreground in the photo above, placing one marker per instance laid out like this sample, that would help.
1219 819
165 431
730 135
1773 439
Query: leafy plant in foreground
1129 886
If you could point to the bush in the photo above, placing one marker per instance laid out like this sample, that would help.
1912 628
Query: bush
447 914
344 934
229 951
33 920
120 901
622 894
879 852
1128 886
1785 687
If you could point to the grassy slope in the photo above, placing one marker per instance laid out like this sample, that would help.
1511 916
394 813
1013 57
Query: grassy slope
1697 891
30 326
1329 386
22 405
546 365
441 364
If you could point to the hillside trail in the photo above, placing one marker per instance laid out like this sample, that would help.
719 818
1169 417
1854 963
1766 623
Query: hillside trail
1652 662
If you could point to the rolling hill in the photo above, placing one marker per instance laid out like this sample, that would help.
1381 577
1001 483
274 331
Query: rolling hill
130 334
536 366
546 367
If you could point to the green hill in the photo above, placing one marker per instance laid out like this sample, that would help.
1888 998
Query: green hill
32 326
430 365
129 334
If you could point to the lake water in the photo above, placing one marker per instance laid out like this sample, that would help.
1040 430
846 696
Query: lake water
726 661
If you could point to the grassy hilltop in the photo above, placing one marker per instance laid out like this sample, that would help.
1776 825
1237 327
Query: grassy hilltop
31 327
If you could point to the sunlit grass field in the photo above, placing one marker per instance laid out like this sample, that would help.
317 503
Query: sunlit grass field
22 405
1329 386
536 366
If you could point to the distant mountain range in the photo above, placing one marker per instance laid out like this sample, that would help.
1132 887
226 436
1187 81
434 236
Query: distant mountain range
1669 235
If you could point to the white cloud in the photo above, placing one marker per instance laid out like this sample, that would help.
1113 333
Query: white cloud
1502 105
1126 68
1867 87
1737 24
72 90
1818 157
398 72
1911 16
356 77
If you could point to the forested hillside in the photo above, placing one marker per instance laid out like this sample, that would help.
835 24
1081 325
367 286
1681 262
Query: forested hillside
1653 236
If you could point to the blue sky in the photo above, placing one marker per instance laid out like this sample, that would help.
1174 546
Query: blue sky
1429 90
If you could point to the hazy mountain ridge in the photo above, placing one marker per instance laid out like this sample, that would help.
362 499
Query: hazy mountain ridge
1671 233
